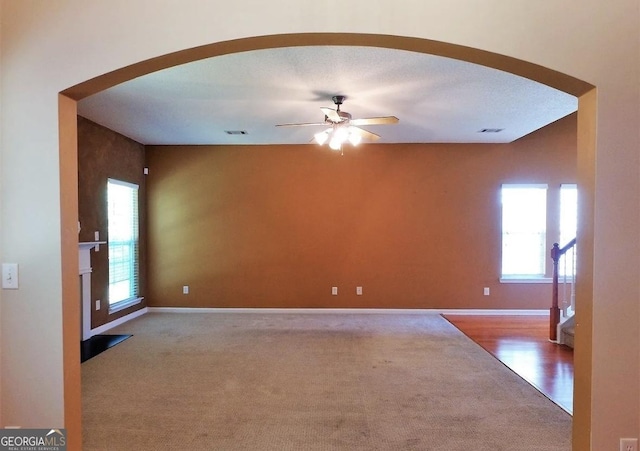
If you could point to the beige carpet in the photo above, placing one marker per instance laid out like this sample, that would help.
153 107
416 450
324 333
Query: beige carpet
267 381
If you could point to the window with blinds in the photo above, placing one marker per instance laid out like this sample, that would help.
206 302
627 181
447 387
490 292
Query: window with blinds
123 241
524 230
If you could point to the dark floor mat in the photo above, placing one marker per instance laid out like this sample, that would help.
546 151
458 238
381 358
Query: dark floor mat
99 343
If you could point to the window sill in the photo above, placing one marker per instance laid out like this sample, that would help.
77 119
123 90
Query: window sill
526 280
118 306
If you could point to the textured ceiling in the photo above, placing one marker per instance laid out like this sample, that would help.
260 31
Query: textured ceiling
437 99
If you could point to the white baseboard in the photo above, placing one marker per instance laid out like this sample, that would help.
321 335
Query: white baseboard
497 312
117 322
349 310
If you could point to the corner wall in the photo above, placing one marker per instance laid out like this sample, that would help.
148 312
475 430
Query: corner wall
417 226
104 154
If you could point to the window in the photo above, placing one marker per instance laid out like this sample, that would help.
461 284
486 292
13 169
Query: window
568 226
568 213
122 201
524 225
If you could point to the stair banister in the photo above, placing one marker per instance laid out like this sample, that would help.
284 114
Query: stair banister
554 311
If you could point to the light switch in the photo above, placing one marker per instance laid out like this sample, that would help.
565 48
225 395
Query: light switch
10 276
334 291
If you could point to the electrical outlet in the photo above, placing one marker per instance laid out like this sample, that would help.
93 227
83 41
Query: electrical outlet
359 291
185 289
487 291
334 291
628 444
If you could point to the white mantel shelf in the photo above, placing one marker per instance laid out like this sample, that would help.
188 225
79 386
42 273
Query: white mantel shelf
88 245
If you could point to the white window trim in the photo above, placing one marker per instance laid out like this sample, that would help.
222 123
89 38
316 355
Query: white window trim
125 303
525 279
526 185
114 308
123 183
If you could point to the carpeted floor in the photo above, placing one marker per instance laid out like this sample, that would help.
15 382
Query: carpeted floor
267 381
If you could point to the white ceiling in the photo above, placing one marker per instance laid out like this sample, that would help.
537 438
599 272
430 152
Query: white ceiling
437 99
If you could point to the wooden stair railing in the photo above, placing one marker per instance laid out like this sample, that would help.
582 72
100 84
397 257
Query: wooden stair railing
554 317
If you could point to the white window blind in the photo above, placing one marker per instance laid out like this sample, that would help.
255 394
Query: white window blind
568 225
123 241
524 226
568 213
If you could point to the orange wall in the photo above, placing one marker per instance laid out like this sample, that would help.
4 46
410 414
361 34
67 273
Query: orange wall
417 226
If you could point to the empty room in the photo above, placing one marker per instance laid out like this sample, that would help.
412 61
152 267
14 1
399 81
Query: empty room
296 287
300 244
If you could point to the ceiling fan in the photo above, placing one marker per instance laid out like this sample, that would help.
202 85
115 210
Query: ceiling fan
342 127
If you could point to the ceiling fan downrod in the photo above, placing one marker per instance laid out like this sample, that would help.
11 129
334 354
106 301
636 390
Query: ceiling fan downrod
338 100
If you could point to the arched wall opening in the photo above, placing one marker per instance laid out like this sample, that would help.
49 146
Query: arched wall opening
69 185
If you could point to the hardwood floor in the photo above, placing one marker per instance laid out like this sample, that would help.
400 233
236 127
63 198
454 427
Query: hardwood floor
522 344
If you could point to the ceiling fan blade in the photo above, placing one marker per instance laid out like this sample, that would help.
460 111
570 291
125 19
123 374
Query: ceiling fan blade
331 114
302 124
365 134
375 120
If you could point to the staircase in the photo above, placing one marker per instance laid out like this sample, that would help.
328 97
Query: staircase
562 319
567 332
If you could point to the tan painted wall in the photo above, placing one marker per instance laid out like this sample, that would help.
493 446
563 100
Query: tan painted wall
417 226
47 47
1 253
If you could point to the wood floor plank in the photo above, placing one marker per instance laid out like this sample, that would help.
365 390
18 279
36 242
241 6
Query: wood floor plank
522 344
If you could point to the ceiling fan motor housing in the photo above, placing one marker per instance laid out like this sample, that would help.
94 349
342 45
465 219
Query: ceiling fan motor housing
338 100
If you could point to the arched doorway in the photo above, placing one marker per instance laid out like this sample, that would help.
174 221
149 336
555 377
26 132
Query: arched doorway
68 164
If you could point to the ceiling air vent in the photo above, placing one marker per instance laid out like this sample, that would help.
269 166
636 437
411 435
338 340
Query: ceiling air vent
236 132
490 130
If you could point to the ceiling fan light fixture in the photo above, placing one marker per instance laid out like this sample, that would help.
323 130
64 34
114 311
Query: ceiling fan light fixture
321 137
342 127
335 143
354 137
341 133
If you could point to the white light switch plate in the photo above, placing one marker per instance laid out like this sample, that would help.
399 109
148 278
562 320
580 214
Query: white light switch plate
10 276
